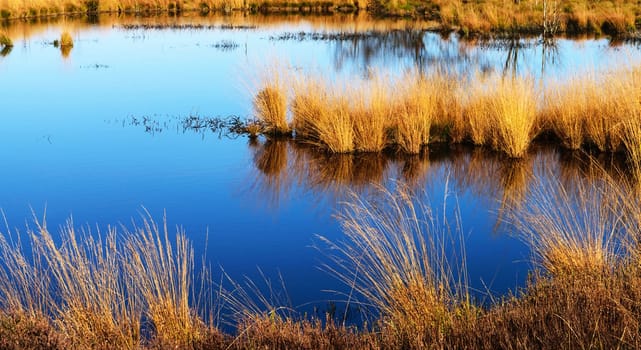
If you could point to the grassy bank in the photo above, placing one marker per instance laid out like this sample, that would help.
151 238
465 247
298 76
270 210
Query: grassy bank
599 111
618 18
138 288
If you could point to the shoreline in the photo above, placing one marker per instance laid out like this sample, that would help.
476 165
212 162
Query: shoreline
434 20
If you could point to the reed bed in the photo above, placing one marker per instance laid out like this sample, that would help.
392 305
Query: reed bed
505 113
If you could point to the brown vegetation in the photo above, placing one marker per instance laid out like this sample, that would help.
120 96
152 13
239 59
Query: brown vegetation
505 113
540 17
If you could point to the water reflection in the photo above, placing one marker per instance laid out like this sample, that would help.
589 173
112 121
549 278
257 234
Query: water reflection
285 166
6 51
65 50
356 43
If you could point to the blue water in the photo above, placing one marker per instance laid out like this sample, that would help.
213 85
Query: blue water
69 145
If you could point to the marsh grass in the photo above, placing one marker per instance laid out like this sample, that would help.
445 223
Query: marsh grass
401 256
99 291
66 40
162 272
503 112
370 113
631 138
270 102
404 264
322 116
567 108
572 232
593 108
416 108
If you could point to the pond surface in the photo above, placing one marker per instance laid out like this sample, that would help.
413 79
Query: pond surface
98 134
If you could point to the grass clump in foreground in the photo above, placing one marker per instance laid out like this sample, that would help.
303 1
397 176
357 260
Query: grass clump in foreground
399 259
100 292
131 290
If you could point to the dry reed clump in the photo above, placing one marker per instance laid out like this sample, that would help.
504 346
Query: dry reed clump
95 291
573 230
593 109
370 114
270 103
448 124
567 107
631 138
402 263
66 41
78 283
322 116
369 117
162 273
416 105
507 113
310 99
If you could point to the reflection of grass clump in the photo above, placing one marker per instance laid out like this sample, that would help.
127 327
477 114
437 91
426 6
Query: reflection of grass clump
5 41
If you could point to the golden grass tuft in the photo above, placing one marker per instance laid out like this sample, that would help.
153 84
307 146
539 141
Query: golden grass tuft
501 113
370 113
97 291
511 108
416 106
79 283
572 230
631 138
567 108
322 116
396 257
270 102
66 40
505 113
592 108
162 274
